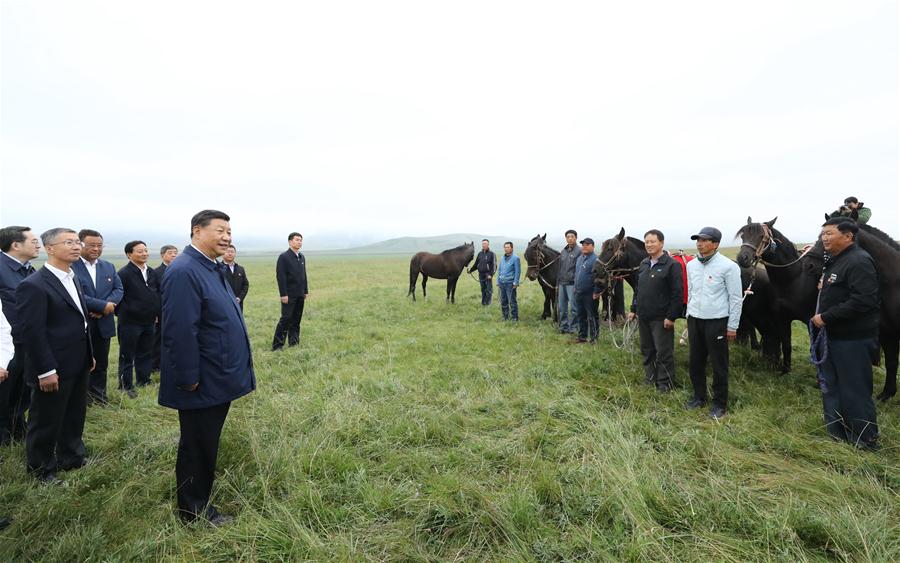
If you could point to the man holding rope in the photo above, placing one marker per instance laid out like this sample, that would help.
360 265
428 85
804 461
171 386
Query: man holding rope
848 312
657 303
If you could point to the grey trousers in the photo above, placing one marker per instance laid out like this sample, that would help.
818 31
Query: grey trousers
658 351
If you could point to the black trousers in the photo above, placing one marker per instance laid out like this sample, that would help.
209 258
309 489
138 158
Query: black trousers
847 399
658 351
56 425
135 354
708 341
198 448
289 323
97 385
15 396
487 290
587 315
157 345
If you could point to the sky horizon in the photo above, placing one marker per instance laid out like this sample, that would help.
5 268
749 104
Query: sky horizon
356 122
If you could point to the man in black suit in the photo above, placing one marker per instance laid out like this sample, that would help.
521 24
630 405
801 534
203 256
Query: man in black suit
19 245
53 333
290 271
138 312
236 275
167 253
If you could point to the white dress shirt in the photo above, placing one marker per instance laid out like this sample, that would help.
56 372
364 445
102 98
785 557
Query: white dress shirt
143 270
92 270
6 344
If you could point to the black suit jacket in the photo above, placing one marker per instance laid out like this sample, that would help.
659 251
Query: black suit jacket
290 271
141 304
50 328
238 280
160 270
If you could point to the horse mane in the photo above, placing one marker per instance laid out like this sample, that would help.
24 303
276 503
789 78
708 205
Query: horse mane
637 241
457 249
757 229
880 235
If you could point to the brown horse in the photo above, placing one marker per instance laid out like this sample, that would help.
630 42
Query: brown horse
448 265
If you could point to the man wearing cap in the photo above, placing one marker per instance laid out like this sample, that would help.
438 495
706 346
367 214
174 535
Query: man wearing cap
849 305
714 312
586 294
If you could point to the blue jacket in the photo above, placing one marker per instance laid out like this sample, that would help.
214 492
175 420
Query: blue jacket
510 269
109 288
204 339
11 275
584 279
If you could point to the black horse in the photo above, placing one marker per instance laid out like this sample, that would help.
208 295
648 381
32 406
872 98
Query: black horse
543 266
794 288
619 259
448 265
886 253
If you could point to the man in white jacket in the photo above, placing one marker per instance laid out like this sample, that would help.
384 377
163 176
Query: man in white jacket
713 312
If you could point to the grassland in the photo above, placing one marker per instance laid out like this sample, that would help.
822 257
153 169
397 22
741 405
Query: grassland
425 431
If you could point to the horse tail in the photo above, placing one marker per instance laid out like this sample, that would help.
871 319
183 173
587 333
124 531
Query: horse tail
414 268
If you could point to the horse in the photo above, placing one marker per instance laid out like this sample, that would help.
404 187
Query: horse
794 288
543 266
886 254
447 265
619 260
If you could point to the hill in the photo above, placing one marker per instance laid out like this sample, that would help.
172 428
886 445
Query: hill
410 245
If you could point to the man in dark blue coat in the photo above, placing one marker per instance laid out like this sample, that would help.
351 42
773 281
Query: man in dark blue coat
102 293
18 246
206 361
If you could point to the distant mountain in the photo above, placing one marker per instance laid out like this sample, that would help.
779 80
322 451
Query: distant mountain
411 245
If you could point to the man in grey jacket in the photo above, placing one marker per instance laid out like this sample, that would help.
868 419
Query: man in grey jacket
714 312
565 283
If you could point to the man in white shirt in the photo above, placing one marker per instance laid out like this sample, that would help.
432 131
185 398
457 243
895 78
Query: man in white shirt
52 332
714 312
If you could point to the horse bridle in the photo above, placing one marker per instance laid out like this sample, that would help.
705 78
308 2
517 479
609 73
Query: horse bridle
540 256
763 246
616 274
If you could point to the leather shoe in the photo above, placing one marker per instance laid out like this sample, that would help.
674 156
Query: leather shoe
216 518
75 465
695 403
4 523
132 394
717 412
50 479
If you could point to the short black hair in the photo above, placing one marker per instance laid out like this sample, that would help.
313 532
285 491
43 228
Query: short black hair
850 199
232 246
84 233
129 247
292 235
572 232
509 243
205 217
843 224
165 248
485 240
661 237
11 234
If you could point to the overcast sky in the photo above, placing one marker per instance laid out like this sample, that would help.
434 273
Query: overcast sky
378 119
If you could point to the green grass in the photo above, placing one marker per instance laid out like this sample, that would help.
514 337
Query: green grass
425 431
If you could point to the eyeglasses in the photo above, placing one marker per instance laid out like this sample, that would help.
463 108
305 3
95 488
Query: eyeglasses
69 243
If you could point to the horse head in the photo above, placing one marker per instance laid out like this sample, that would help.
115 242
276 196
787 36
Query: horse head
612 251
757 242
533 255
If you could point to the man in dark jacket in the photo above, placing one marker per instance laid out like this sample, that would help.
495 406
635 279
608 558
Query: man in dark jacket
19 245
565 282
167 253
236 276
206 360
103 291
848 311
587 294
53 334
486 264
137 314
290 271
657 303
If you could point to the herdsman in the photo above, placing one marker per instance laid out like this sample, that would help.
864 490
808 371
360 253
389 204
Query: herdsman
206 361
714 312
848 312
657 304
486 264
565 283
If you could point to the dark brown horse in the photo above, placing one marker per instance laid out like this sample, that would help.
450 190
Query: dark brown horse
448 265
543 266
618 260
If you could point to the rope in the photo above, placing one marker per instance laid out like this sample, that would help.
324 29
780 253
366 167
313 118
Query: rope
818 352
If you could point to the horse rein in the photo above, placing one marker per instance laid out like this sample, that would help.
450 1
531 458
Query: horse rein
763 246
539 268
